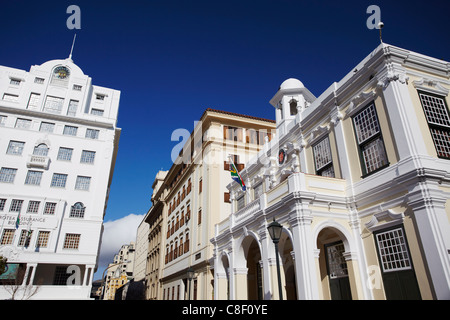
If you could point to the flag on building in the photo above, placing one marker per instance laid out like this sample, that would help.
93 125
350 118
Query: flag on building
18 221
236 176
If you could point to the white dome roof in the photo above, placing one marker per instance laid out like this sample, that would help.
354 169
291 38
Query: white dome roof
74 69
291 83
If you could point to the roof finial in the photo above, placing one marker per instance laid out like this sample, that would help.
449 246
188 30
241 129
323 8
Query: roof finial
380 26
73 44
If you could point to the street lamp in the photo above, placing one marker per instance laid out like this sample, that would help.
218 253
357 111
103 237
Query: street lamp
190 276
275 230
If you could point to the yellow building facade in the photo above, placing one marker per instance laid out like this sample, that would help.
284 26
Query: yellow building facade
359 178
193 198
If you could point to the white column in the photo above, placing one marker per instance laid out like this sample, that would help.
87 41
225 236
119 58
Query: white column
267 254
344 161
300 221
428 205
399 107
27 276
231 276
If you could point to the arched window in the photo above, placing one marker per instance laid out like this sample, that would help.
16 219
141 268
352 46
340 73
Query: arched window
181 248
41 150
77 210
293 107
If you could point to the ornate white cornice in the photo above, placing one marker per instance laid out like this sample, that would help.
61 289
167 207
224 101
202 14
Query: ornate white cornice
392 75
394 219
430 85
359 101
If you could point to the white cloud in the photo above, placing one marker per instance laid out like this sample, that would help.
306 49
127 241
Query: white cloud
115 234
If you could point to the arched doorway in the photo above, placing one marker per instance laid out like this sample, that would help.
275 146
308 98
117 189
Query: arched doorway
334 273
286 249
251 252
226 270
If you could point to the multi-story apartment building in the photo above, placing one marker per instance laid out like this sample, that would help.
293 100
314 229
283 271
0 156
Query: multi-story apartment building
359 179
141 252
195 197
154 218
120 272
58 145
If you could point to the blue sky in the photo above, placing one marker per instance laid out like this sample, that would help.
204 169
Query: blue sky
173 59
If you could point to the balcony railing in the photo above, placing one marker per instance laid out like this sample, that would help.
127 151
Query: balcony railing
247 211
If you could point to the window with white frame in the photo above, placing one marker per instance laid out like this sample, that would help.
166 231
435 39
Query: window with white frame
2 204
71 241
53 105
16 205
240 203
41 150
70 130
87 156
72 109
7 236
82 183
23 123
15 148
77 87
77 210
15 82
47 127
33 206
92 133
42 239
64 154
438 118
232 133
337 266
10 97
3 120
33 177
370 140
33 102
97 112
39 80
257 191
7 174
50 208
59 180
393 250
24 239
322 158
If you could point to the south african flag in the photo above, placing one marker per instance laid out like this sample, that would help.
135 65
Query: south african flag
236 176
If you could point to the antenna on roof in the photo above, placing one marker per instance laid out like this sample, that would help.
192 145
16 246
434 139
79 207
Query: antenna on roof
380 26
73 44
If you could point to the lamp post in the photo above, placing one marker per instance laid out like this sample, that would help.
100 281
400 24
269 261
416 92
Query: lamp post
190 276
275 233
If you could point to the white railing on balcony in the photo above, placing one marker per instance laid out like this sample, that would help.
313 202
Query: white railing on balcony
247 211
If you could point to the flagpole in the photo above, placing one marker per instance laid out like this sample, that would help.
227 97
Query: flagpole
234 165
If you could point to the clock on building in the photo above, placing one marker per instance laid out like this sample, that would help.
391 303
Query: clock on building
61 72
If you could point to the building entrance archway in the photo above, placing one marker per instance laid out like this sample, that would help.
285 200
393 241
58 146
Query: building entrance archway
286 257
334 272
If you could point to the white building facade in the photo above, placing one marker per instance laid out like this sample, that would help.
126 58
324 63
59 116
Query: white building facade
359 179
58 145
